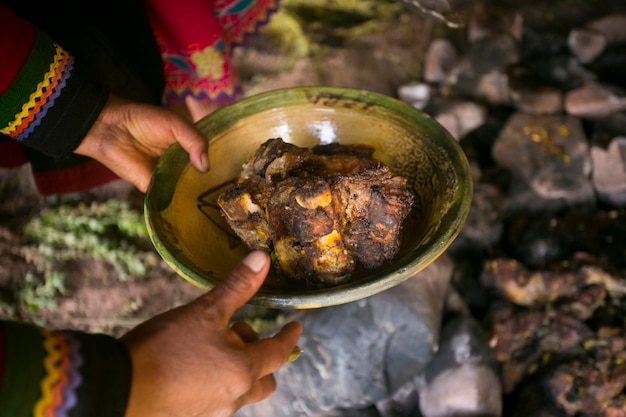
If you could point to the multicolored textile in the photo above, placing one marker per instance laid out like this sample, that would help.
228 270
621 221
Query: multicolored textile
54 80
47 104
196 39
46 373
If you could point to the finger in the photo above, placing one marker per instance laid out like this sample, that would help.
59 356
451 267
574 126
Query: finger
192 141
139 175
242 283
271 353
244 331
142 176
260 390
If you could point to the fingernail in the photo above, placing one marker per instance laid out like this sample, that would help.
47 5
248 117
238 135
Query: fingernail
204 162
255 261
295 353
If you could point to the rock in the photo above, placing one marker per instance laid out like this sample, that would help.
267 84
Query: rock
523 337
493 88
586 44
439 11
537 46
462 378
483 64
460 117
538 240
487 19
484 224
594 99
613 27
403 403
441 58
609 172
548 158
564 72
416 94
541 101
370 411
359 353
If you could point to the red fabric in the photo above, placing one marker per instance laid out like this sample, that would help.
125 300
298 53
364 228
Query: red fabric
71 180
17 37
191 23
16 40
196 39
12 154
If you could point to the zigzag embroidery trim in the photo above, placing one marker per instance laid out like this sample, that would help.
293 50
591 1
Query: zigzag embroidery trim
46 93
51 100
57 394
53 375
241 22
73 375
227 95
62 364
57 75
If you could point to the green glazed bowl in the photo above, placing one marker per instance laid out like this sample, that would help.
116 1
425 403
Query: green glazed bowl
188 231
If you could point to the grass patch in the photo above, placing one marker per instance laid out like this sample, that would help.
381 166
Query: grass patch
111 231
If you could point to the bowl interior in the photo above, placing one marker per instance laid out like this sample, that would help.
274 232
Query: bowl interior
189 232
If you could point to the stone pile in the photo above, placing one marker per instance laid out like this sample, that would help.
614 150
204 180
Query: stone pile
542 118
525 314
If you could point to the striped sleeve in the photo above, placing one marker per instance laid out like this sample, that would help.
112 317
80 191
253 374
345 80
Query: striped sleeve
46 373
47 100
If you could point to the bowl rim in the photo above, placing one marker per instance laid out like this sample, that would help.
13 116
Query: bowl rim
227 116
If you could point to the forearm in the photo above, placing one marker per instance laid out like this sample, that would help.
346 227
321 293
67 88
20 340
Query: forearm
61 373
47 100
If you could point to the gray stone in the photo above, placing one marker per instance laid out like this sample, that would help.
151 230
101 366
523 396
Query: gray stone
486 21
594 99
462 378
481 73
562 71
542 100
460 117
609 172
493 87
359 353
586 44
416 94
485 221
613 27
441 58
548 158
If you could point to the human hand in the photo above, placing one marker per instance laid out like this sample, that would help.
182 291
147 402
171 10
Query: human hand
189 362
129 138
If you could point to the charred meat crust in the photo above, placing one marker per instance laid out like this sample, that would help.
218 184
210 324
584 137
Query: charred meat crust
318 211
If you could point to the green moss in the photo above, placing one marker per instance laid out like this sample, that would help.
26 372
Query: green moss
336 13
111 231
284 34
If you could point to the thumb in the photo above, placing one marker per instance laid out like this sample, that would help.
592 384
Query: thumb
240 286
192 141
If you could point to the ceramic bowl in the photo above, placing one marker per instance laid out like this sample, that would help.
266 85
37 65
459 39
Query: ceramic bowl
187 228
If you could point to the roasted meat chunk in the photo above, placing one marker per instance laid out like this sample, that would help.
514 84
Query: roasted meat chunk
318 211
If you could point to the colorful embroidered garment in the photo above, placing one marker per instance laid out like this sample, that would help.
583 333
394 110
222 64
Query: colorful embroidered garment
196 39
47 104
47 373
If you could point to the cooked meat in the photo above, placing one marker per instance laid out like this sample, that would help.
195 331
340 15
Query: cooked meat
318 211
